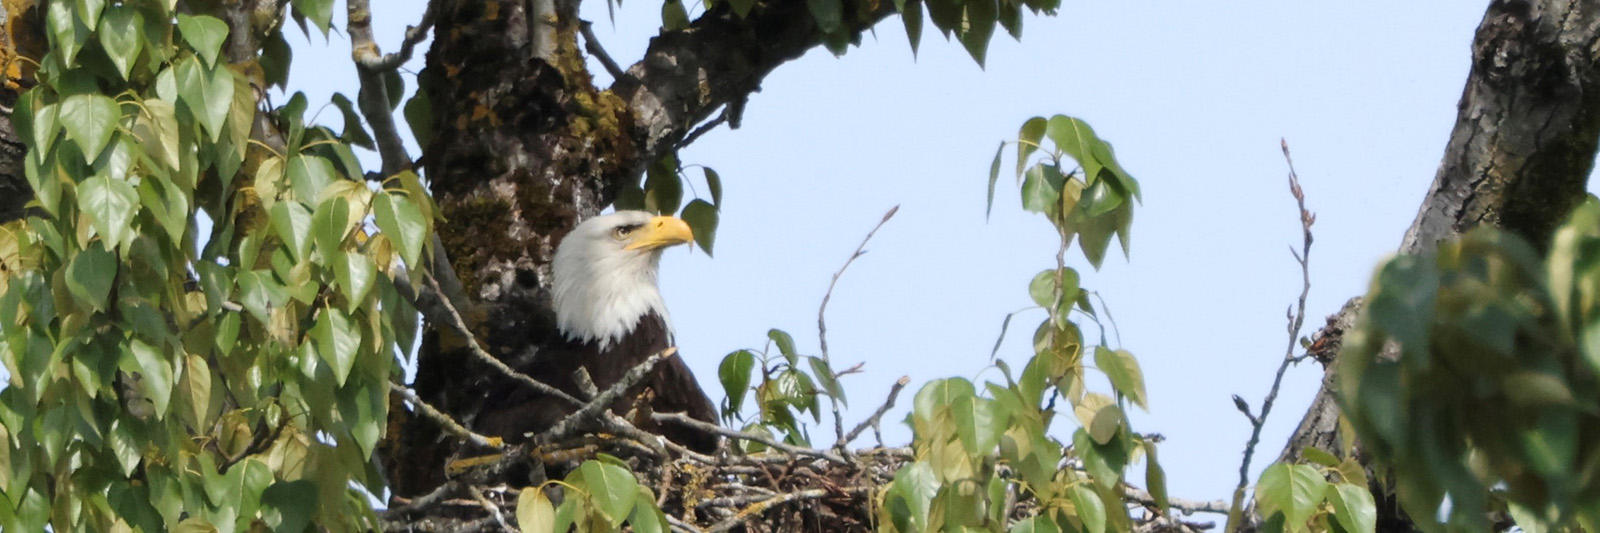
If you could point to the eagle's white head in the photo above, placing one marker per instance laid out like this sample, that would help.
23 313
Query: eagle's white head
605 274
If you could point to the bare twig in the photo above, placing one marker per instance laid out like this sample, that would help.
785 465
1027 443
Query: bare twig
822 323
477 350
567 426
680 418
872 421
449 424
1296 318
703 129
1188 507
757 508
494 510
592 45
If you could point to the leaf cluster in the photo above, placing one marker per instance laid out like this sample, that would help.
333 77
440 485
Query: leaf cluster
781 387
662 192
1299 497
1473 377
979 453
167 377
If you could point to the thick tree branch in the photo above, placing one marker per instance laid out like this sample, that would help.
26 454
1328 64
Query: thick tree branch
720 59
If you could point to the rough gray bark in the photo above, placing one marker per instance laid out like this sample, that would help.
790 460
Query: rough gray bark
1519 157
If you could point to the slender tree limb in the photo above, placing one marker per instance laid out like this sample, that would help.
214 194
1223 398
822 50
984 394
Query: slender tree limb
460 326
877 416
1187 507
1297 318
373 98
569 425
414 35
592 45
760 507
680 418
822 323
443 420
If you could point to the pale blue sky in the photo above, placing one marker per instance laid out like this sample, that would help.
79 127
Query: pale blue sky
1195 97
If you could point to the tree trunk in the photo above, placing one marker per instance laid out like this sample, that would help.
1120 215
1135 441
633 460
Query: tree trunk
1518 158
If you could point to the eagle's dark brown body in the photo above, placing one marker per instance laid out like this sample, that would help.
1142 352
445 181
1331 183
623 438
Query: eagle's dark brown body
513 409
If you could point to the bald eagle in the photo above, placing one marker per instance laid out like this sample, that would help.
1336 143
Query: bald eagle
611 317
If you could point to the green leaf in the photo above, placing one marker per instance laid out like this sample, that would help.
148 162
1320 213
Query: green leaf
289 505
90 119
329 225
940 393
354 133
419 116
612 489
1123 370
309 174
205 33
155 374
1107 420
785 345
275 58
1403 304
911 15
702 220
1041 189
122 36
829 14
398 217
356 273
663 190
1294 490
980 19
207 92
338 342
1036 524
1155 478
197 389
1028 139
820 369
742 7
535 514
1043 289
1353 508
319 12
67 32
646 518
1091 511
292 222
734 372
994 176
713 184
978 423
111 205
89 11
673 16
1072 136
90 276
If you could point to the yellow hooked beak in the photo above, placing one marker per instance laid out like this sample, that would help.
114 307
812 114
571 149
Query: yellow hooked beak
661 232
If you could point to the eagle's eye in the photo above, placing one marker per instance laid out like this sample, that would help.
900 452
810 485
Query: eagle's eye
622 232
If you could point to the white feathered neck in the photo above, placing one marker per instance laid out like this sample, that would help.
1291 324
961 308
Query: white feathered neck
601 289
